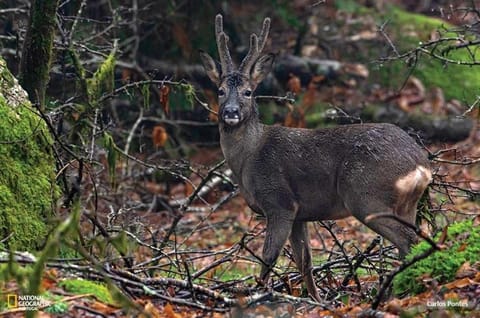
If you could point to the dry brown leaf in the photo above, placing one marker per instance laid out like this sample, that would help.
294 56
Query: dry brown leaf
394 306
321 313
477 278
164 98
443 237
188 190
415 86
103 308
149 309
295 118
49 279
169 312
126 75
465 270
462 248
294 84
355 311
263 310
159 136
213 103
403 103
450 295
476 221
171 291
438 101
356 69
459 283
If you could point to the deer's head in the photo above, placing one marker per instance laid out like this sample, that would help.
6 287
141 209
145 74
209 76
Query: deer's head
236 86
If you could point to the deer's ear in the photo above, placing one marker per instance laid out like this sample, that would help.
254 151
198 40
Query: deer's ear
211 67
261 68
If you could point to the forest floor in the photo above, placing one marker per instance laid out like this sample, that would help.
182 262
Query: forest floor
147 246
212 260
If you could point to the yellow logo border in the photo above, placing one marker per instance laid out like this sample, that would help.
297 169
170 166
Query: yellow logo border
12 304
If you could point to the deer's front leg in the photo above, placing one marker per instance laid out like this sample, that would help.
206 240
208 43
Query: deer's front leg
279 226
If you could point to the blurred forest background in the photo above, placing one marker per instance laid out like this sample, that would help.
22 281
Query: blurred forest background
138 215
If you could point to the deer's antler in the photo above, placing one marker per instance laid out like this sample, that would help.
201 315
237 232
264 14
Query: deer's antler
222 40
256 48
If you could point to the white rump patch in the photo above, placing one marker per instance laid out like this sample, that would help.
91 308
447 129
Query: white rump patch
418 178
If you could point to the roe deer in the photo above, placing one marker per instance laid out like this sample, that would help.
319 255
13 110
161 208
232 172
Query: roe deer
294 175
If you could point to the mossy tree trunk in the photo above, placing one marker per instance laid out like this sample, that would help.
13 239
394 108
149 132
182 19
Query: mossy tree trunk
37 50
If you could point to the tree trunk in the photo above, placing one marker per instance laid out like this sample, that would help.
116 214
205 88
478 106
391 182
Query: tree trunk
37 50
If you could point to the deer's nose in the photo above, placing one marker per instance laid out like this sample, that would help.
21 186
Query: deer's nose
231 115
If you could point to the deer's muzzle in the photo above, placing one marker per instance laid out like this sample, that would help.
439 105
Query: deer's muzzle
231 115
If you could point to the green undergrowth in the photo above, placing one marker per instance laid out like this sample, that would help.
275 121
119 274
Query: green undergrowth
408 31
27 179
58 307
81 286
462 245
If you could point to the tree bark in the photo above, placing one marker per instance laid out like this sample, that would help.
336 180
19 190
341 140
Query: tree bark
37 50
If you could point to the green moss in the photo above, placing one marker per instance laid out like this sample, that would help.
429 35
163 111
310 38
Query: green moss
58 306
81 286
463 245
407 31
27 180
102 81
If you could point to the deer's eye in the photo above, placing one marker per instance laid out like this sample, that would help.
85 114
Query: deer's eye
221 92
247 93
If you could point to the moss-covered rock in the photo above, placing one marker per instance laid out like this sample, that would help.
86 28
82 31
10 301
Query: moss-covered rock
462 245
408 31
27 179
82 286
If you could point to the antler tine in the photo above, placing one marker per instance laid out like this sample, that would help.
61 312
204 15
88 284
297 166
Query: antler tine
264 34
252 52
222 40
256 47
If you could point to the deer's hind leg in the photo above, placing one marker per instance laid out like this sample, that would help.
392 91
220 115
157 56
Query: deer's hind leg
402 236
302 254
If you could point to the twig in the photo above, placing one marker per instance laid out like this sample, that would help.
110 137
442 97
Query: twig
352 271
282 99
390 276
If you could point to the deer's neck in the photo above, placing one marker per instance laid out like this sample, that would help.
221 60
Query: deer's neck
239 143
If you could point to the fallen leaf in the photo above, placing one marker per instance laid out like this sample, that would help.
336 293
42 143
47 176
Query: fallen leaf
159 136
164 98
462 247
294 85
49 279
188 190
394 306
451 295
295 118
126 75
356 69
465 271
169 312
459 283
103 308
476 221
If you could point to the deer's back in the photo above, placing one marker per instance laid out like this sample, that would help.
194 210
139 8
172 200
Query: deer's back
317 167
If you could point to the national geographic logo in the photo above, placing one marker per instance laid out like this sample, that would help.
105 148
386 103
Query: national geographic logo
12 301
26 302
